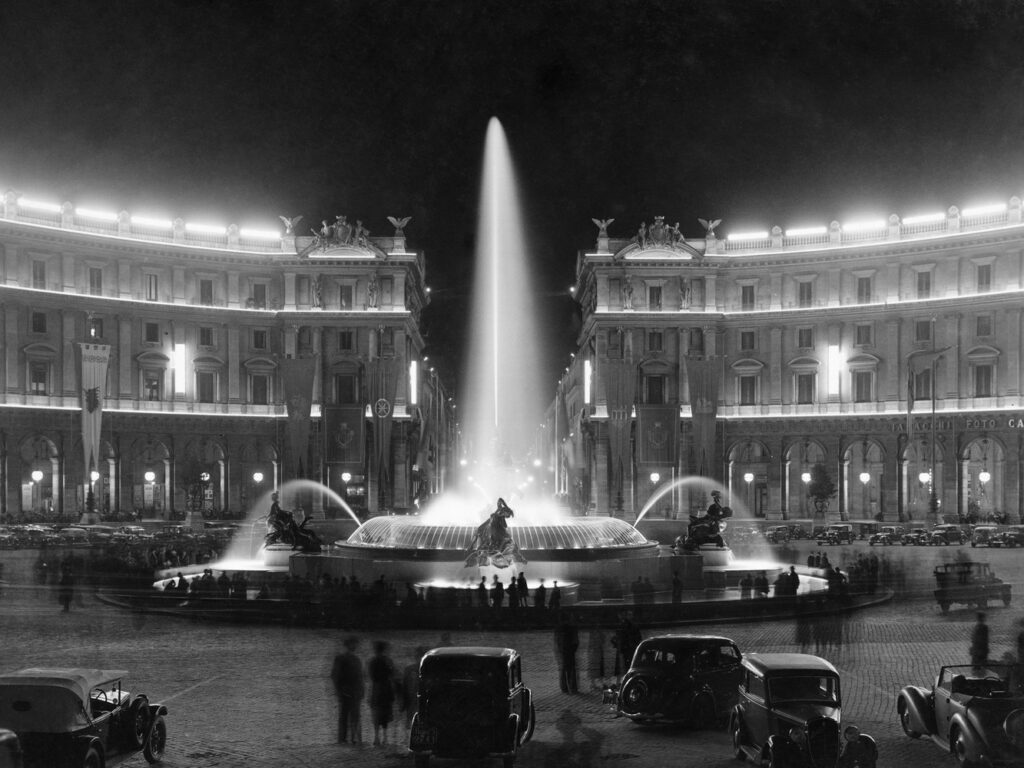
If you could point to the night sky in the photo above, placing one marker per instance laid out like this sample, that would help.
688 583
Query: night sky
792 112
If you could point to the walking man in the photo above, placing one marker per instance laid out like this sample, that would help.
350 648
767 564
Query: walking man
347 676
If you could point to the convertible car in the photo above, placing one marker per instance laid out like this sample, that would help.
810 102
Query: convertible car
79 718
976 713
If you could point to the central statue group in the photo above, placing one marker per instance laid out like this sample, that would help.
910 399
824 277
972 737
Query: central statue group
282 529
492 543
707 528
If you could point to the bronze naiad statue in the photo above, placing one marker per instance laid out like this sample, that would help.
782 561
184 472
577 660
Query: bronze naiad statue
707 529
282 529
492 544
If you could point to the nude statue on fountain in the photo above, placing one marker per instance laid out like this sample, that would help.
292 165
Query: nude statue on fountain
282 529
492 543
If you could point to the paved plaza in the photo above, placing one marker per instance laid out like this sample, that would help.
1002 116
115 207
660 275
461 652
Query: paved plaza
260 696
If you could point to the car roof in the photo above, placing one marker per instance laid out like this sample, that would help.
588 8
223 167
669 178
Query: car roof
473 650
769 663
78 680
687 639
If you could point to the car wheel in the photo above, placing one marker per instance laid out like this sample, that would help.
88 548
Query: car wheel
634 697
157 741
92 758
737 739
137 725
905 722
958 746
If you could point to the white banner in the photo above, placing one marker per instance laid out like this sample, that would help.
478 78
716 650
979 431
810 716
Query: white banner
94 381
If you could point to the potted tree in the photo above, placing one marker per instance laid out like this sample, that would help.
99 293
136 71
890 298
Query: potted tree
822 489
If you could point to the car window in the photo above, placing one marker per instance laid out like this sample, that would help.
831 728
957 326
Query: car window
729 654
658 656
755 685
816 688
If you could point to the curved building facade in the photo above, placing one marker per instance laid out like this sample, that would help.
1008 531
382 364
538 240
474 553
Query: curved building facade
886 353
162 367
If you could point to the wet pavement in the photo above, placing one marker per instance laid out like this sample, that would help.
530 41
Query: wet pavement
260 695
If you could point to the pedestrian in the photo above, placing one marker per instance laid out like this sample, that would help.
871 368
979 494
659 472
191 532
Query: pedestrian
555 601
677 588
627 638
497 593
66 587
794 581
746 585
540 596
979 642
761 585
411 687
347 676
567 642
522 589
481 592
513 594
382 692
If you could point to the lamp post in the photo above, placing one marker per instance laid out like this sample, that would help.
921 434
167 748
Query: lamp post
865 496
805 478
748 477
926 478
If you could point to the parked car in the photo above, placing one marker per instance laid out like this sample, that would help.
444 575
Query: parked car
1009 538
917 537
982 535
70 535
79 718
99 534
788 712
941 535
9 539
840 533
974 712
472 704
689 679
888 534
777 533
969 583
131 533
174 533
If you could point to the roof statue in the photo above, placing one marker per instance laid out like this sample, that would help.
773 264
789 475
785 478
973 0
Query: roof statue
602 226
399 224
709 226
290 224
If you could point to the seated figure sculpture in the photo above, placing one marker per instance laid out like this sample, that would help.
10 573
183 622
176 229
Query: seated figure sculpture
282 529
707 528
492 544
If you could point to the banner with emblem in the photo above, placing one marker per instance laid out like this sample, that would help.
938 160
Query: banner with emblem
703 376
95 358
620 383
656 428
297 376
345 434
384 373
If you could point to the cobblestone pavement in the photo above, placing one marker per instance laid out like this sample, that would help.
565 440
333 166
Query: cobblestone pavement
259 696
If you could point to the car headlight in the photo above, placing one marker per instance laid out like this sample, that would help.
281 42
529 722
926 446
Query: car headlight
797 735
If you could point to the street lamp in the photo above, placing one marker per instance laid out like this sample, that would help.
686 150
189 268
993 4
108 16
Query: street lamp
37 476
655 477
150 476
749 478
257 477
865 478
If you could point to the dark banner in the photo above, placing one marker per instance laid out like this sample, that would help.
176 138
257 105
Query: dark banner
297 376
95 358
345 434
384 373
620 383
656 428
703 376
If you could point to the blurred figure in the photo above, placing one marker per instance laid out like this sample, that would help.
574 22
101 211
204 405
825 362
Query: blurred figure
979 642
347 676
382 692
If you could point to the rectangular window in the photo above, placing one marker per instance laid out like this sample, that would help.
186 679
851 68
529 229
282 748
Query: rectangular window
983 381
654 341
345 294
984 278
206 292
151 385
38 322
755 686
805 386
614 344
96 281
805 295
746 297
345 389
259 295
862 386
923 330
387 341
654 298
260 389
206 386
38 376
923 384
862 335
152 333
95 328
983 325
805 338
924 285
655 386
748 390
205 336
346 342
152 287
748 341
259 338
864 290
39 275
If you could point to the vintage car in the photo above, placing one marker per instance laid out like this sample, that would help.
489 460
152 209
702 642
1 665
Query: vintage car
472 704
1009 538
968 583
79 718
917 537
887 535
976 713
688 679
788 712
777 534
839 533
941 535
982 535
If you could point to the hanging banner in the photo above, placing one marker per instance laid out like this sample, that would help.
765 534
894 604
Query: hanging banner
703 376
95 358
384 374
297 376
657 427
345 434
621 391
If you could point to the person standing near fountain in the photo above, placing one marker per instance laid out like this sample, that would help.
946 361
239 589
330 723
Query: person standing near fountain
382 692
347 676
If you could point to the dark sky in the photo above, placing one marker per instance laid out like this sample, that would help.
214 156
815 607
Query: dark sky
787 112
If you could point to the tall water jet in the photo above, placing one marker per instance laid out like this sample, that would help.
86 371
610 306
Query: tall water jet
503 392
